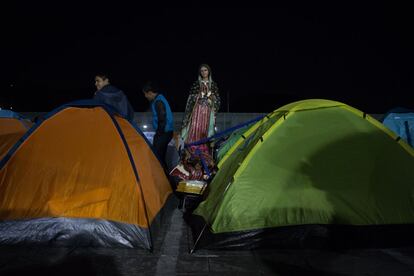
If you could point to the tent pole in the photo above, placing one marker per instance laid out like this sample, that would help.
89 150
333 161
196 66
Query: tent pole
198 238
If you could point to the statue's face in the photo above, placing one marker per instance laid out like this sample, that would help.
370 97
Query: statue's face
204 72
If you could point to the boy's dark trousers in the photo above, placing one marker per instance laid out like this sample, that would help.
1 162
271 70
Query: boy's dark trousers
160 144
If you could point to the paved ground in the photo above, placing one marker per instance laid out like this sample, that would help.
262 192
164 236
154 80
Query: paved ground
171 257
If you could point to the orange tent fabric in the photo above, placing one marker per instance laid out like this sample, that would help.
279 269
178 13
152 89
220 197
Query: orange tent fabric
11 130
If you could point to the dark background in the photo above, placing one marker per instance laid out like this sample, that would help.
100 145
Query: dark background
261 58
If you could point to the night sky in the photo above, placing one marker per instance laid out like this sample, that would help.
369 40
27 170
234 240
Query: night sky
261 58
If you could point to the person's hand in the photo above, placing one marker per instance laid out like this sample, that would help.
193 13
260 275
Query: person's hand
180 144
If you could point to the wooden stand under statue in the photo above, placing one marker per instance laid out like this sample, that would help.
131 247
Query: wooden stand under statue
190 193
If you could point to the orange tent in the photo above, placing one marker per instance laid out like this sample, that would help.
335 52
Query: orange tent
12 128
84 175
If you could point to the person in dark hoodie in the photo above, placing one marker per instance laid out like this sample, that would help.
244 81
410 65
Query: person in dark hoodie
162 120
112 96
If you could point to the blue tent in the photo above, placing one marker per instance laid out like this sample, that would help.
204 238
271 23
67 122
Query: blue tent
401 121
4 113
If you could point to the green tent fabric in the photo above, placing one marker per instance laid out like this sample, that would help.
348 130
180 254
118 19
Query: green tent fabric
230 141
313 162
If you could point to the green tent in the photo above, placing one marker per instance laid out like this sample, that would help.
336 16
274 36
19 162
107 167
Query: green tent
312 164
